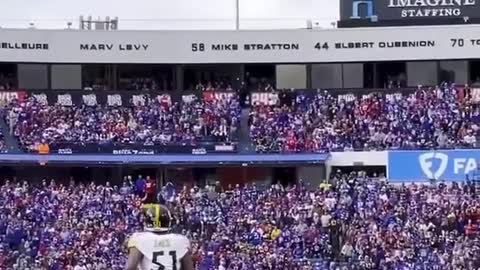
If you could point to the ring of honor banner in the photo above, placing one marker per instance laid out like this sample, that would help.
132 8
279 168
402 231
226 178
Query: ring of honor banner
253 46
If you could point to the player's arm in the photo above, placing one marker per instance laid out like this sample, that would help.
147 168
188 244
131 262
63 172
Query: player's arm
134 255
134 259
187 262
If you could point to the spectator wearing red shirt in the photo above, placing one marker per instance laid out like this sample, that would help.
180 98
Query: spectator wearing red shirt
470 229
291 143
150 190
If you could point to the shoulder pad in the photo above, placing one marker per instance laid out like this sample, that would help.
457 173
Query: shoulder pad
132 241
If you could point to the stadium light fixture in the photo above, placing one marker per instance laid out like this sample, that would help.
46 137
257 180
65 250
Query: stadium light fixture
309 24
313 24
99 24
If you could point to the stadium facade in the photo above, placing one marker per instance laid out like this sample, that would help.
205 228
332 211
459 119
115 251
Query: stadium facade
65 66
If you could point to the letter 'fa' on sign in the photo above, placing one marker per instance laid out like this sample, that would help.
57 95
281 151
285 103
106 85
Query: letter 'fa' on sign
426 164
356 7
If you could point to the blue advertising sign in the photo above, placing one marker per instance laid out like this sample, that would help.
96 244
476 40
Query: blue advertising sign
448 165
407 12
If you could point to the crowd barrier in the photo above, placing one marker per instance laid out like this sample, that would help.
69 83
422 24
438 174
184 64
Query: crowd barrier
123 98
281 97
401 165
168 159
109 98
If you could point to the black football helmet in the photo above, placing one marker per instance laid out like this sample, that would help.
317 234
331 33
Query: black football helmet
158 217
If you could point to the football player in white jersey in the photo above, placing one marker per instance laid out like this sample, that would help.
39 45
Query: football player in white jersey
157 248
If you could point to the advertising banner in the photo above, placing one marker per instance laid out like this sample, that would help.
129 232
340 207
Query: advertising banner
413 12
140 149
447 165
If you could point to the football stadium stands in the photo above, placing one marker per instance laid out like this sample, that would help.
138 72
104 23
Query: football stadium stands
306 149
431 118
159 121
440 117
356 222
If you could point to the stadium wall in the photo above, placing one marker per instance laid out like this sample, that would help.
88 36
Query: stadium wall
362 158
373 158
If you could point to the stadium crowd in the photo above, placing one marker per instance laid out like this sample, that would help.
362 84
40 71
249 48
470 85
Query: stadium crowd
3 145
7 81
210 86
354 222
441 117
141 84
157 121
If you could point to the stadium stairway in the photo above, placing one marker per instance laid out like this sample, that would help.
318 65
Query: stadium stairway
11 141
245 145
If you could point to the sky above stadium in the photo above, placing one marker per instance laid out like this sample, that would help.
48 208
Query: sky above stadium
167 14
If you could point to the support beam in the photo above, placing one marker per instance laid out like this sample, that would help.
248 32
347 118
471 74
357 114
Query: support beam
237 14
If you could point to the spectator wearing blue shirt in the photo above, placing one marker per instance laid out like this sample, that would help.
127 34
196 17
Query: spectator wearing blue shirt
140 186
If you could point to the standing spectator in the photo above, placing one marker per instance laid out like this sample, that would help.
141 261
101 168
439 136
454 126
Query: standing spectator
150 190
168 192
140 186
126 188
12 120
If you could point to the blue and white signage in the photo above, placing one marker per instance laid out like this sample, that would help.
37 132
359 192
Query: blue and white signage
448 165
